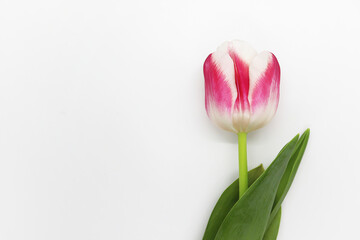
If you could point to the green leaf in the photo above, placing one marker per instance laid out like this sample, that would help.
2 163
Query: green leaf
253 175
290 172
273 229
230 195
249 217
227 200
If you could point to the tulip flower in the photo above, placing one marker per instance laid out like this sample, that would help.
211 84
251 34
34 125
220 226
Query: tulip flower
241 92
241 87
242 95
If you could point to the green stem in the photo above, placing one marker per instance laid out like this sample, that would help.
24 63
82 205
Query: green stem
243 170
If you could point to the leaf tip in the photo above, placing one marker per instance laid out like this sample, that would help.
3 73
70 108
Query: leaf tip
261 166
296 137
306 134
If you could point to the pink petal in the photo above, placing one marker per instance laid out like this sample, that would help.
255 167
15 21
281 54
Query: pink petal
242 82
241 54
264 89
218 95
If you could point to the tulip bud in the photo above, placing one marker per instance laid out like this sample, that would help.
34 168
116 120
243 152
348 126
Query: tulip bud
241 87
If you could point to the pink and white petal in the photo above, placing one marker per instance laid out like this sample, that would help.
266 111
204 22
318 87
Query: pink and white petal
264 91
219 94
225 64
242 55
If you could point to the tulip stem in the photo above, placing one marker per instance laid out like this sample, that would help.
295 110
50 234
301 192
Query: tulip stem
243 170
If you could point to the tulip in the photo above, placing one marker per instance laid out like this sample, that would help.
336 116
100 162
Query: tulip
241 87
241 92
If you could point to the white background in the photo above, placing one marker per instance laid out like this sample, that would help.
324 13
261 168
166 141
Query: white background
103 130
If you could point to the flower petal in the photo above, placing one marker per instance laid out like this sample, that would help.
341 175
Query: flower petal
241 54
219 95
264 75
